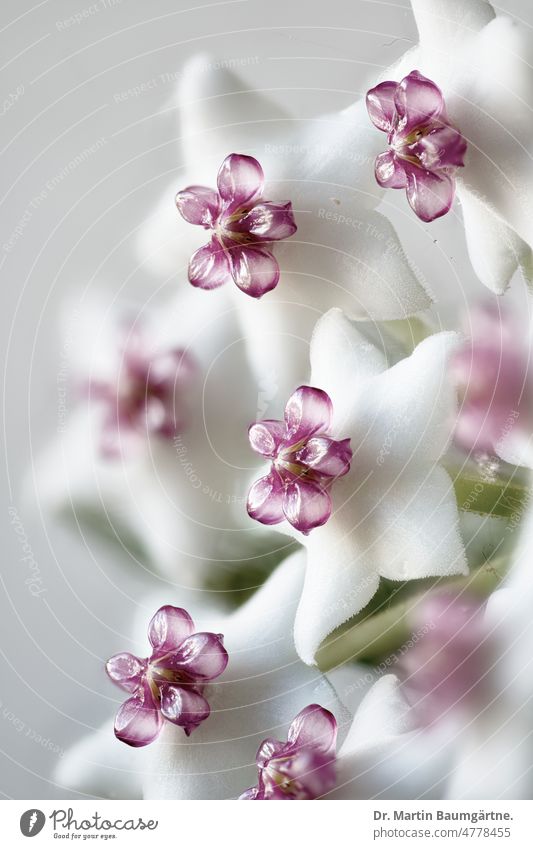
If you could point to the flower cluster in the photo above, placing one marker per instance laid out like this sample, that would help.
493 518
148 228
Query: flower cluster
368 464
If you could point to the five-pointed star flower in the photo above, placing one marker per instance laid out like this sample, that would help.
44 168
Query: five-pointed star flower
394 514
263 688
483 65
179 504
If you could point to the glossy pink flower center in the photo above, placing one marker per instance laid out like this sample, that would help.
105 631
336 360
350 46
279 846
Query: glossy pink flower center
305 462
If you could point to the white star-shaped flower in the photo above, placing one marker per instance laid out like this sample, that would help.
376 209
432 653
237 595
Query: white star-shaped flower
483 65
394 514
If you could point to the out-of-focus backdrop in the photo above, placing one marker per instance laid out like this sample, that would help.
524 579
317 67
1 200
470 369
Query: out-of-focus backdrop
88 141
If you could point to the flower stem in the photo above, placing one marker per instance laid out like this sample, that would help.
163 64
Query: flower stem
487 497
373 638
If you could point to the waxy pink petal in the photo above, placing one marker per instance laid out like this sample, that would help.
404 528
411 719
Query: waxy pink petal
198 205
306 505
266 436
200 657
138 723
265 500
240 179
268 222
168 628
389 171
126 670
308 411
314 726
330 457
254 269
184 706
380 105
209 266
418 101
429 194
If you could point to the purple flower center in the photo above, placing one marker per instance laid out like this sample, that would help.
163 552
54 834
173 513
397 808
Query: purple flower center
495 381
425 150
170 684
305 462
147 394
304 766
243 225
445 671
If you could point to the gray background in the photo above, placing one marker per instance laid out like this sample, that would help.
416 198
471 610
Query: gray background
312 57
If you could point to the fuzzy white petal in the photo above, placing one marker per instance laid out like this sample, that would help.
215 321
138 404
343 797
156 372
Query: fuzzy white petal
394 513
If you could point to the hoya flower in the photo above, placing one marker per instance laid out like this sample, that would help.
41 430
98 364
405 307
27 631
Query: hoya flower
243 225
170 683
304 766
495 381
146 394
424 148
445 672
394 513
305 463
258 695
178 505
482 64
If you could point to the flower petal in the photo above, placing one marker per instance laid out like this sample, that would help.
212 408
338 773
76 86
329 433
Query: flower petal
240 179
389 171
306 505
126 670
168 628
444 24
200 656
430 195
184 706
267 221
198 205
442 147
495 250
99 765
138 723
395 513
308 411
329 457
266 436
418 100
209 266
314 726
381 106
254 269
265 500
